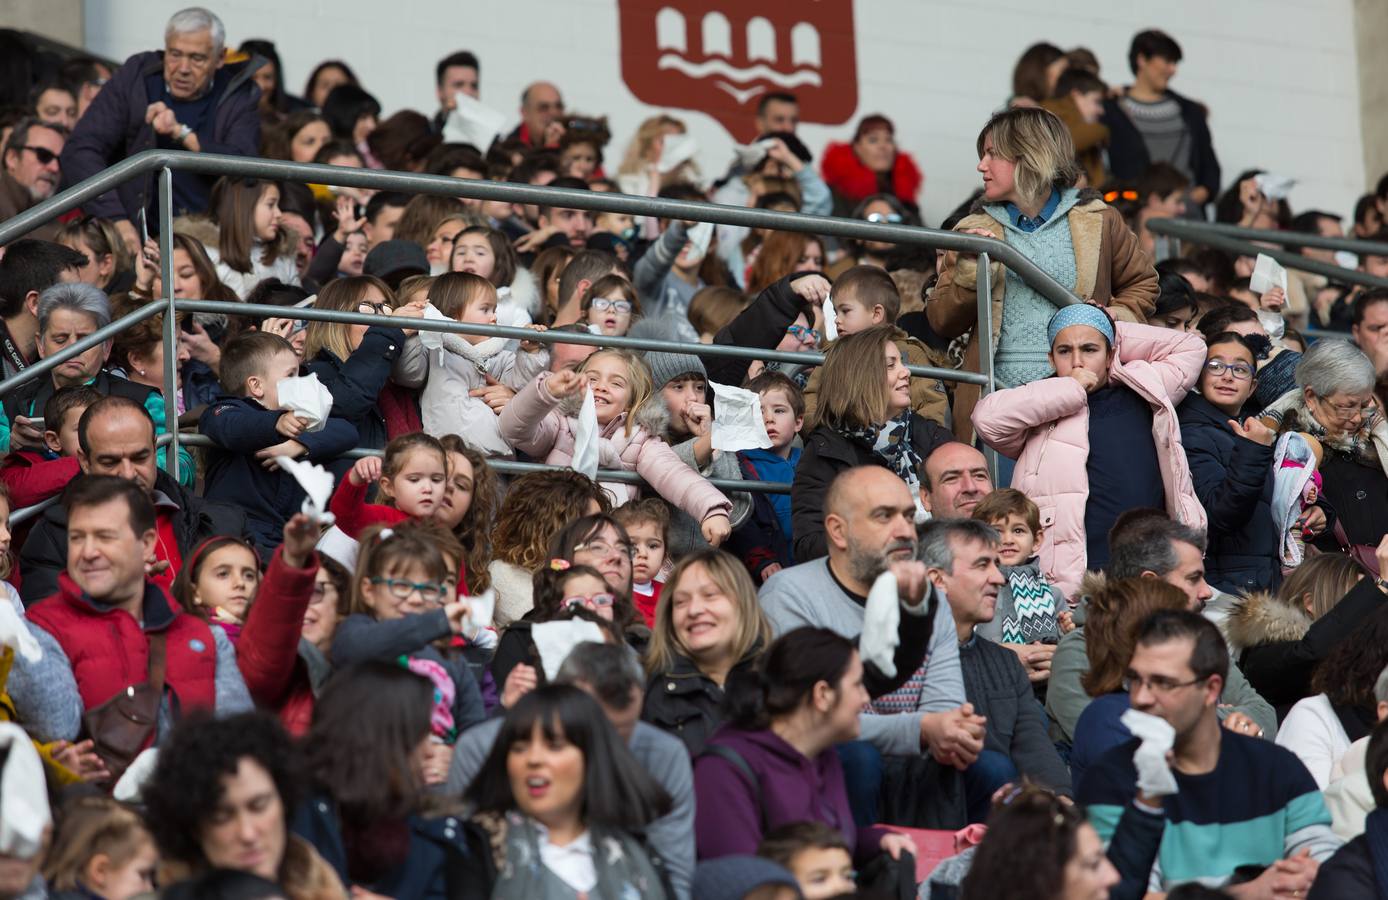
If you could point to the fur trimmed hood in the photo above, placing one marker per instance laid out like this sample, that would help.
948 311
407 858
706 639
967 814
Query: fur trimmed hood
525 293
1261 618
846 175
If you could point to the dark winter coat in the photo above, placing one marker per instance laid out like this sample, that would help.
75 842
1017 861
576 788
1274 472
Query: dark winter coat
1128 157
762 325
357 381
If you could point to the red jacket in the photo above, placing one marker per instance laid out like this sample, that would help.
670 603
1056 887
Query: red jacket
354 515
32 479
268 652
855 182
109 651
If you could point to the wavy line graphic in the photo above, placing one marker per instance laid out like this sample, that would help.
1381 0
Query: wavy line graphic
734 73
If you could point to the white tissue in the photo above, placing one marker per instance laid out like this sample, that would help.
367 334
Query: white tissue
1272 323
317 483
132 781
1274 187
433 340
480 609
678 150
737 421
306 397
1157 736
340 546
749 156
14 633
1346 260
472 122
881 625
586 438
555 640
701 235
1267 274
24 812
831 325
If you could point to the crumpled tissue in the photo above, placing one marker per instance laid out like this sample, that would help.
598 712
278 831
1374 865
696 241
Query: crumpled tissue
433 340
678 150
317 483
555 640
1157 736
881 625
737 421
586 438
831 327
472 122
24 811
306 397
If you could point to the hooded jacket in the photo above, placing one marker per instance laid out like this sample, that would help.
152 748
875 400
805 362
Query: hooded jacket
852 182
446 405
1278 646
539 423
1045 427
1111 269
356 382
687 704
114 128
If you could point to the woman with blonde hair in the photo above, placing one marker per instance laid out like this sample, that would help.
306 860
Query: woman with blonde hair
640 172
709 630
1026 158
862 418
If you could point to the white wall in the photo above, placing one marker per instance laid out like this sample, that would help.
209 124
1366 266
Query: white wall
1279 76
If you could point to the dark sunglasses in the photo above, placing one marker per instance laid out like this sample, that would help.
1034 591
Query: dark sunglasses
45 156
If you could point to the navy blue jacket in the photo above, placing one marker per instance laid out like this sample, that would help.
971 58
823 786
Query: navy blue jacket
114 128
239 427
434 842
1233 479
356 382
1128 156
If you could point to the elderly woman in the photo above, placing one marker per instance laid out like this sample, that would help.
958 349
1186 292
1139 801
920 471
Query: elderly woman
67 313
1335 406
872 164
1026 158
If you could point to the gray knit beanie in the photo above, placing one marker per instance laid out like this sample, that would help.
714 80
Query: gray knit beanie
666 367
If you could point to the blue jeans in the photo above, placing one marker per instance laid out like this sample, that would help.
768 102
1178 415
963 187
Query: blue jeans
989 772
862 777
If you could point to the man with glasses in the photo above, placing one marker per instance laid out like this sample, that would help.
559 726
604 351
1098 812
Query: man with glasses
181 98
1244 810
1147 544
542 113
31 171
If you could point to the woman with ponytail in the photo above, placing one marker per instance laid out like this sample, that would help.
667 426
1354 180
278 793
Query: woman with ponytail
774 762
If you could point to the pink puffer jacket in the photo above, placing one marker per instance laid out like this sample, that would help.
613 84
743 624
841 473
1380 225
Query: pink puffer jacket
534 422
1045 427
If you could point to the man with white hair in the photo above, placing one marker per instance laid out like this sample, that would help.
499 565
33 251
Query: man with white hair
184 97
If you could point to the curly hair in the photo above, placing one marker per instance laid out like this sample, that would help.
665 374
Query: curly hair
475 531
536 507
1033 832
549 588
198 756
1346 676
1111 627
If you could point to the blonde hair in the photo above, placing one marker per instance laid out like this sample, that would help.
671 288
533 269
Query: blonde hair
344 295
635 160
1040 145
90 826
853 387
641 387
726 571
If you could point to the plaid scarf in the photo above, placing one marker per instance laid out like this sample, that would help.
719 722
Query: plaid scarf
892 444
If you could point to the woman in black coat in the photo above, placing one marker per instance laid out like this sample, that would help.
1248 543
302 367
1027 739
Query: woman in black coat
1231 470
354 361
766 322
863 418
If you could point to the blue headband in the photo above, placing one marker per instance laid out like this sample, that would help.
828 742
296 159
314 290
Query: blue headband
1080 314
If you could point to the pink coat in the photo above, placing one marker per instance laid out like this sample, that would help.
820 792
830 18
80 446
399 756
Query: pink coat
534 422
1045 427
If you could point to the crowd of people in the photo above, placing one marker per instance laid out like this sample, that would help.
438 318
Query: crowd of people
1144 655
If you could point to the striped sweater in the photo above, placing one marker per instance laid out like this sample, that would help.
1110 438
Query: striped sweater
1259 805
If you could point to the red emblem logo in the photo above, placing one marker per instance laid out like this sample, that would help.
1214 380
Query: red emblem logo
720 58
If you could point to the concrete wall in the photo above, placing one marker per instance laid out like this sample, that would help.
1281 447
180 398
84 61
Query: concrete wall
1279 76
1370 31
60 20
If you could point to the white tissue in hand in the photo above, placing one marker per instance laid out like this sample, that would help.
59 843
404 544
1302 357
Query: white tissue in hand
749 156
1274 187
831 328
881 625
24 812
701 235
317 483
132 781
306 397
554 641
14 633
586 438
432 340
678 150
472 122
481 608
737 421
1157 736
1267 274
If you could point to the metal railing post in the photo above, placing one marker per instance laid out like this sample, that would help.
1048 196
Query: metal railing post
985 346
170 314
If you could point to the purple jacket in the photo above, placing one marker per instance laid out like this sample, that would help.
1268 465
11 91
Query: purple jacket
731 813
114 128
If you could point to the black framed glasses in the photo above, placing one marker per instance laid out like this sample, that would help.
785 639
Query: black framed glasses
45 156
1240 371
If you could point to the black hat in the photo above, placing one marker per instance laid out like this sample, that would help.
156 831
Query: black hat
392 261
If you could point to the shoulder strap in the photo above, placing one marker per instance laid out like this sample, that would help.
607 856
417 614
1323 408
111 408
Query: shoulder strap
157 662
736 760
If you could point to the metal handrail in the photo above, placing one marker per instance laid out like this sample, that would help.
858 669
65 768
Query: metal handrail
1217 236
100 336
1286 238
